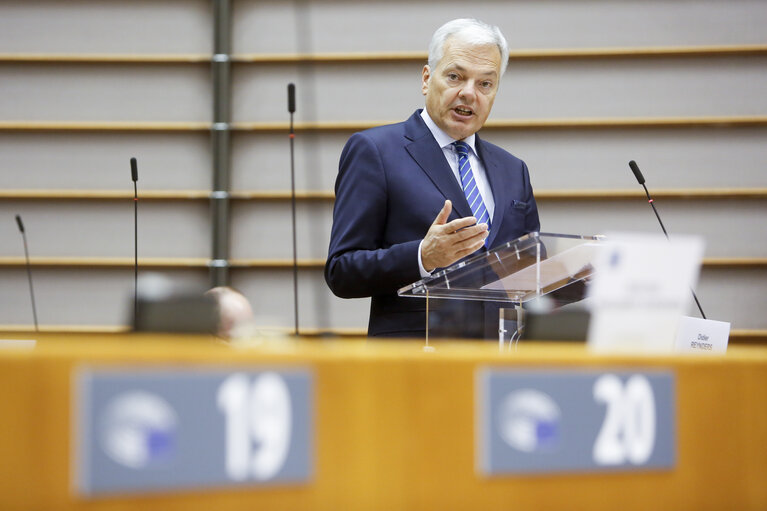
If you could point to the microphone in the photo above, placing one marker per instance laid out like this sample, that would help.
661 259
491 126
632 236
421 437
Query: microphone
637 172
29 270
641 181
133 169
134 177
291 98
292 136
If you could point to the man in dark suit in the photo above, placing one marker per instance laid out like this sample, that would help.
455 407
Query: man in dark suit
422 194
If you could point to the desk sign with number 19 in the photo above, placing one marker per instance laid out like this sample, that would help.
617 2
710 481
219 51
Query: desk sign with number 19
159 430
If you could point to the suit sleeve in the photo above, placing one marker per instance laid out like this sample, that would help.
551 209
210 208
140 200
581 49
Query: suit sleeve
362 261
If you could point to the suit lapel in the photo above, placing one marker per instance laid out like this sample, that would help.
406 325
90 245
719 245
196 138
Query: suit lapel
498 184
429 156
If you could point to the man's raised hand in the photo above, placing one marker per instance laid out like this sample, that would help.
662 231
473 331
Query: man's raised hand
446 243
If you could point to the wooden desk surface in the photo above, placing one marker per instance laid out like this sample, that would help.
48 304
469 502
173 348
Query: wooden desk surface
394 427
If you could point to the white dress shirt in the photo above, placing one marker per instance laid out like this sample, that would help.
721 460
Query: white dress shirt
445 141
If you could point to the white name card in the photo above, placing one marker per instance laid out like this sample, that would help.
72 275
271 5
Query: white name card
697 335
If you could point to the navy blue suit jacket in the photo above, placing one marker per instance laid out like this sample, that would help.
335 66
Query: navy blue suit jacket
392 182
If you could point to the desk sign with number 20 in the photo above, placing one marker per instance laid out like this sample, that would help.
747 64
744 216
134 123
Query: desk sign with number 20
550 421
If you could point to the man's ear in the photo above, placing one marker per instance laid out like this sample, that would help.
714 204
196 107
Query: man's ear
425 75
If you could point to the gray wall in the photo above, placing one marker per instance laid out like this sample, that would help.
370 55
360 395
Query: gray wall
568 158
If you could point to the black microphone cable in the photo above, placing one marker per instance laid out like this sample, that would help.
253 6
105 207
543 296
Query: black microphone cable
134 177
640 179
29 270
292 136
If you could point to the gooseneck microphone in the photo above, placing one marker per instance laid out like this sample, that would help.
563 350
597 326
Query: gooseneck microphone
640 180
134 177
291 102
292 136
29 270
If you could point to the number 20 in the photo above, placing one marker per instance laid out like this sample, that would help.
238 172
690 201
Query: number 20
628 430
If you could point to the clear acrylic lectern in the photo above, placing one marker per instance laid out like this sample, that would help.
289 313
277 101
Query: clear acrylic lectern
514 273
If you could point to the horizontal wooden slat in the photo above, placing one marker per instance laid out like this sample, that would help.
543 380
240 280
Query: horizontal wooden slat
746 336
629 122
265 264
284 195
15 330
276 263
669 193
735 262
12 331
156 263
277 195
329 58
56 126
365 57
519 124
640 52
105 58
352 126
514 55
328 195
104 194
106 262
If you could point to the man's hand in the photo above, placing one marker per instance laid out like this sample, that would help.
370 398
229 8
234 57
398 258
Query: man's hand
446 243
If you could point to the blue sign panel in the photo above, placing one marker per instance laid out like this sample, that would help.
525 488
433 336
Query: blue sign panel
550 421
160 430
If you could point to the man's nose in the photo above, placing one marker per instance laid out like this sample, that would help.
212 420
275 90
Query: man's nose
468 91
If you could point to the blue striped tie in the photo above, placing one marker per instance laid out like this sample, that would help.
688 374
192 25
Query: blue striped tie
469 185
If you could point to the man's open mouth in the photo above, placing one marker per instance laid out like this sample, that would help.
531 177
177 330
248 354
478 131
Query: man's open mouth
463 111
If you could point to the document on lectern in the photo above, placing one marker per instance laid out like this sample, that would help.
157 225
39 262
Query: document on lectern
556 268
641 290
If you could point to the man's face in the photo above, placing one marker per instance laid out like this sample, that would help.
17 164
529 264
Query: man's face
461 90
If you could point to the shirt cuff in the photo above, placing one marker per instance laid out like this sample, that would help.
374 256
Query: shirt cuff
421 269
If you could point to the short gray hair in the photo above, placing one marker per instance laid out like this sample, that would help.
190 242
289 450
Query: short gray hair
472 31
